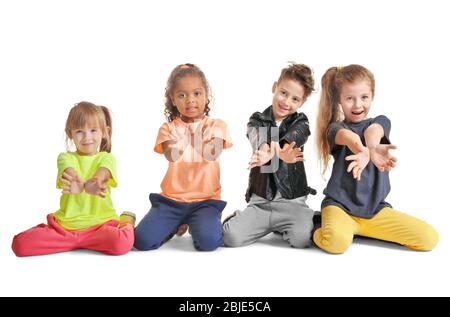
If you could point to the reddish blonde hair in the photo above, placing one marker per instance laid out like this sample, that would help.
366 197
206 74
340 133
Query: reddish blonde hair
86 112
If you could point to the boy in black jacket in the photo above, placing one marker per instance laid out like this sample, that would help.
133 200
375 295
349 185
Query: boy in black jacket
278 187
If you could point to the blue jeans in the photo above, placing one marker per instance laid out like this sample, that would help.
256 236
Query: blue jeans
203 219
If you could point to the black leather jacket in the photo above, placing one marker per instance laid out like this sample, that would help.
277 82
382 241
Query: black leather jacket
288 179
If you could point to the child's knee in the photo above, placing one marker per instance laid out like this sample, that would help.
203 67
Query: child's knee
332 240
120 247
125 242
145 242
146 245
208 241
19 248
427 239
232 238
300 235
300 240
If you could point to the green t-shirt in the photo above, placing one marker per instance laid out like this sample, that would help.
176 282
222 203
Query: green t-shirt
83 210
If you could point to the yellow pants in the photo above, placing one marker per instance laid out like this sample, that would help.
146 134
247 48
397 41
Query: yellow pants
338 229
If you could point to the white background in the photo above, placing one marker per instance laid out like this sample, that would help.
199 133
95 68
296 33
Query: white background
120 53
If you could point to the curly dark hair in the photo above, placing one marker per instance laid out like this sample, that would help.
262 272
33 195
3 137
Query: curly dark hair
171 112
301 74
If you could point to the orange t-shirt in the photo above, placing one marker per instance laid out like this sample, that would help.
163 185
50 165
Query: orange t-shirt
191 177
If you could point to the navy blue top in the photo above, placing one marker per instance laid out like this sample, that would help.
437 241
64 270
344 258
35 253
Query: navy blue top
363 198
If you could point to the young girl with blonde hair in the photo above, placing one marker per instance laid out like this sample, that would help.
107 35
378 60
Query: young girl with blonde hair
86 218
354 202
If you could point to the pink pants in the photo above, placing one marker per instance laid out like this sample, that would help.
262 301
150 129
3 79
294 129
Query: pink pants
52 238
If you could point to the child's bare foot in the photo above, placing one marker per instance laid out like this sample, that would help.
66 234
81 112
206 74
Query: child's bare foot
127 217
182 229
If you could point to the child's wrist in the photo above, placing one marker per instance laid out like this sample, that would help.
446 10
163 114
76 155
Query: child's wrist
365 149
372 151
360 147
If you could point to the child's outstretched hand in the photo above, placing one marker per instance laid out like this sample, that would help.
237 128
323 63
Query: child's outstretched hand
72 184
381 157
262 156
359 162
289 154
95 187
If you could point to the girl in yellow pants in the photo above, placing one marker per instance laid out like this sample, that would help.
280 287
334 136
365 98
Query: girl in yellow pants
338 229
355 195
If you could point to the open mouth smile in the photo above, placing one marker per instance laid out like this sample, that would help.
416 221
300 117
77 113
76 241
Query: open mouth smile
357 113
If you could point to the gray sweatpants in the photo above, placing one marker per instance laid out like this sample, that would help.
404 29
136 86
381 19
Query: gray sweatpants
290 217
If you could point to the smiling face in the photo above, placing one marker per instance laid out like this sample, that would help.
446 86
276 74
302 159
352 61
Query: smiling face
355 100
87 140
190 98
288 96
